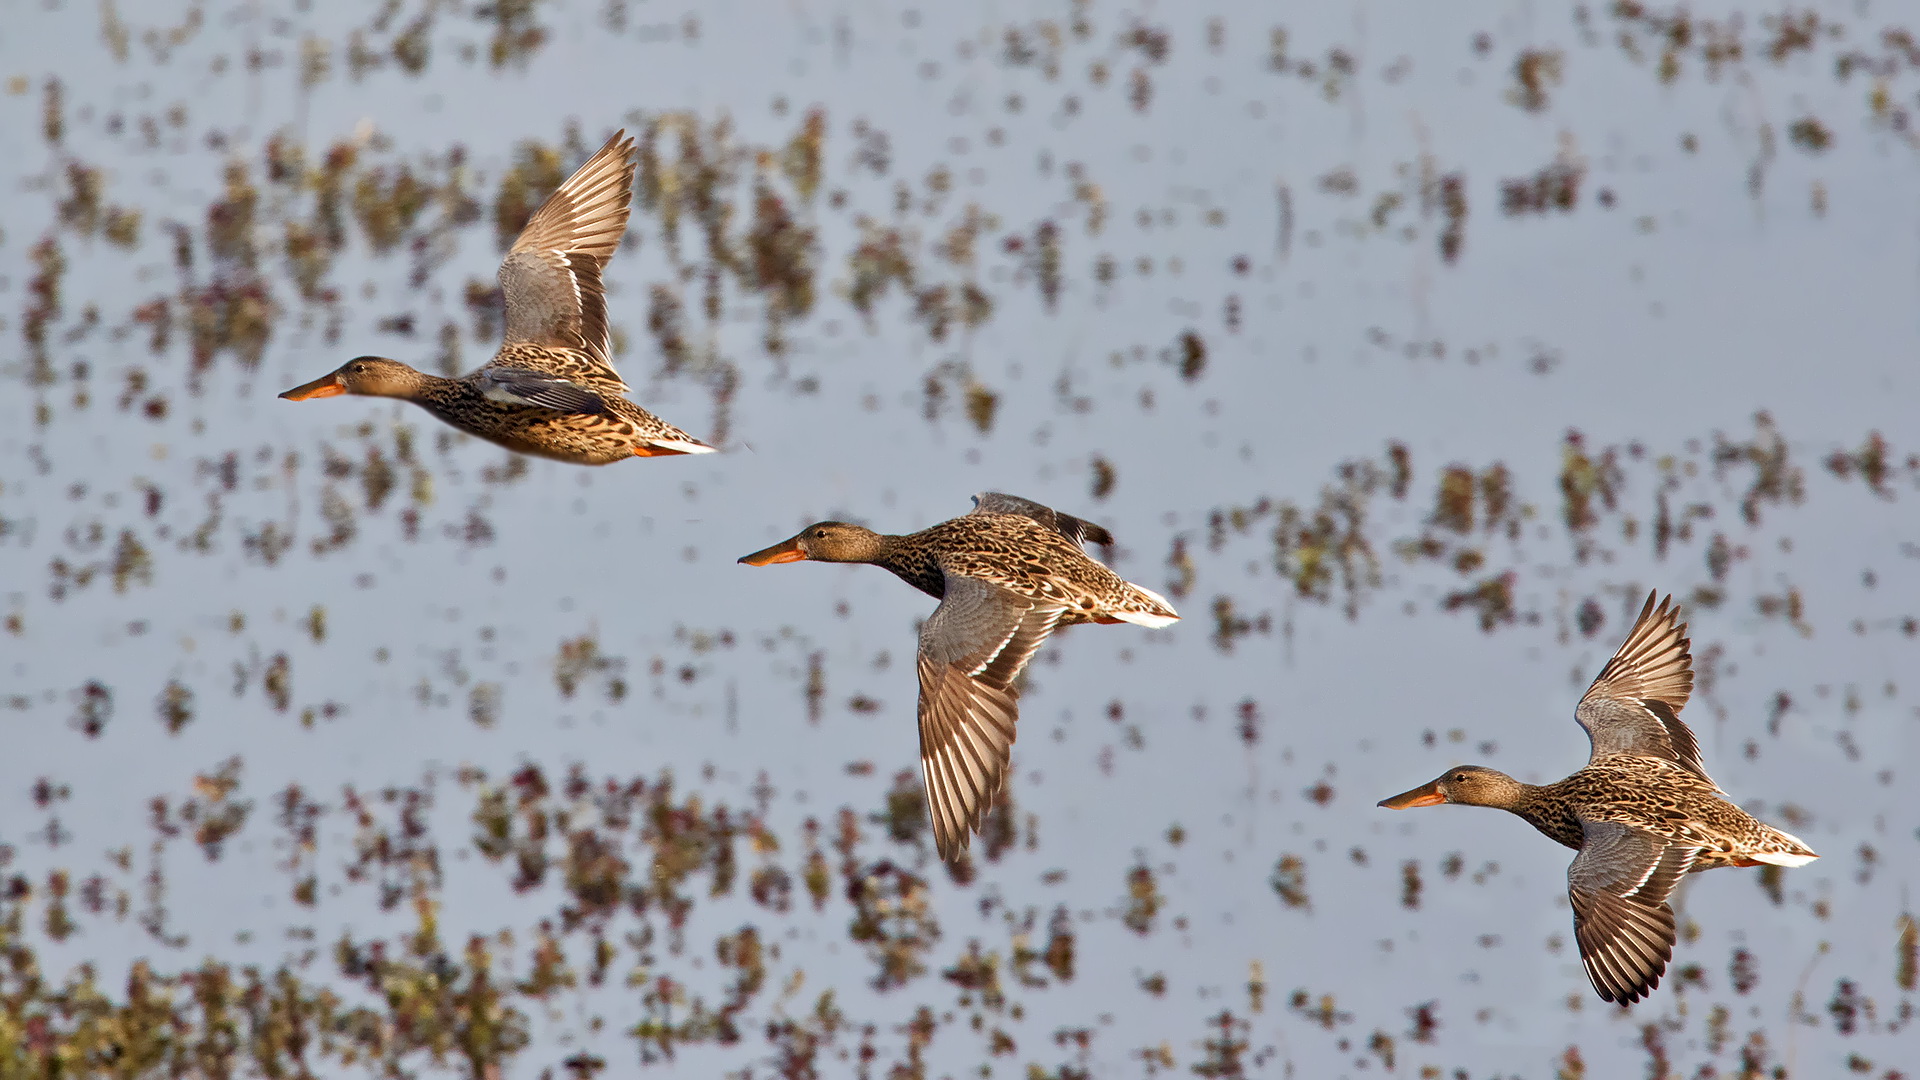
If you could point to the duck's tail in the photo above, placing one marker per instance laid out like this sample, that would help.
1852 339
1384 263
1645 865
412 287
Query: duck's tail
1783 849
1147 608
671 447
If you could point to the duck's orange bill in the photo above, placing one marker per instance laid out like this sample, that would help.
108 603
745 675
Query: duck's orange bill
324 386
784 551
1424 795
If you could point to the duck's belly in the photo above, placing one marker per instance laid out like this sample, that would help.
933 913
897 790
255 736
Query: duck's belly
573 438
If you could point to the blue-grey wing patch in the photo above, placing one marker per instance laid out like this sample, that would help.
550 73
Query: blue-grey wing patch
1075 529
1619 884
518 386
1633 706
972 648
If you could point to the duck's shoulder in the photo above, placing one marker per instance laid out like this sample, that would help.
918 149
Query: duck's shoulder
558 361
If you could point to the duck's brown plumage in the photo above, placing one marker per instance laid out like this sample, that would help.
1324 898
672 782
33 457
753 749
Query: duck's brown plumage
1006 575
551 390
1642 814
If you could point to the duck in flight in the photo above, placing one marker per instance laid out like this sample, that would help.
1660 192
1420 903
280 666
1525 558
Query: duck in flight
1642 814
551 390
1006 575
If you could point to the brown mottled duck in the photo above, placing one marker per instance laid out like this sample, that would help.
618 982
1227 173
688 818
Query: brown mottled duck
1642 814
551 390
1006 575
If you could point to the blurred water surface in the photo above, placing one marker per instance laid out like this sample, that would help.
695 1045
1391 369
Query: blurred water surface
1405 346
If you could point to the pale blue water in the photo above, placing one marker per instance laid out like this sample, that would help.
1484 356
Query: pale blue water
1662 322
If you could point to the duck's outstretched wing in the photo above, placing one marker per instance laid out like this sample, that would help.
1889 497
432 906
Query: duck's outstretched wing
1619 884
972 648
1633 707
551 278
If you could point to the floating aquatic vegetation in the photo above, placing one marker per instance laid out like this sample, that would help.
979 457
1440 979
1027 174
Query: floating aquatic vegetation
1479 520
1555 187
1289 882
580 658
1143 901
1535 73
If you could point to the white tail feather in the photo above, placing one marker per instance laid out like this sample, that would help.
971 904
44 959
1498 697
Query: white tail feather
1787 858
1153 620
1145 618
1156 598
683 446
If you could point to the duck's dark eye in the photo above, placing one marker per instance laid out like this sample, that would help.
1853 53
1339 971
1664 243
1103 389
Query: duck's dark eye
819 534
1459 778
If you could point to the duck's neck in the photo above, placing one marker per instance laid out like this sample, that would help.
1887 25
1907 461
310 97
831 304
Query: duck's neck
423 388
407 384
912 563
1547 808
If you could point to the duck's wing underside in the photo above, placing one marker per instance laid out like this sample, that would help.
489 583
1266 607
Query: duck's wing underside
1619 884
972 648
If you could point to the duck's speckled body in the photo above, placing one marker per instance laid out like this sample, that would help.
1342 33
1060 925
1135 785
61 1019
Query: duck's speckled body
1655 796
1016 553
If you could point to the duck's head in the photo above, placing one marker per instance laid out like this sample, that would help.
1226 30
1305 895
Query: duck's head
823 541
1469 785
371 376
